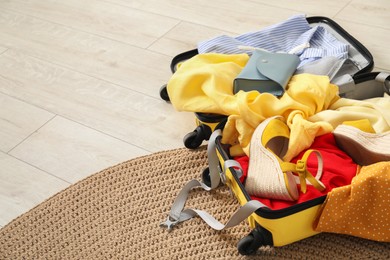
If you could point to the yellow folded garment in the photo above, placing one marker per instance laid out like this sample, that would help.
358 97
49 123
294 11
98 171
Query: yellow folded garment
204 83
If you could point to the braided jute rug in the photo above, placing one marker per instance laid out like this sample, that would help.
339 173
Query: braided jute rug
115 214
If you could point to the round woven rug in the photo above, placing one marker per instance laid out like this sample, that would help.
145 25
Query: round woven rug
115 214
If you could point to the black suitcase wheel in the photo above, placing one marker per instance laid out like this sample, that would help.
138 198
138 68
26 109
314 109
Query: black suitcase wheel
245 247
164 93
206 177
259 236
195 138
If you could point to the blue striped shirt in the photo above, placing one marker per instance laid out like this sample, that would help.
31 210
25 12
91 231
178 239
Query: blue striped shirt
282 37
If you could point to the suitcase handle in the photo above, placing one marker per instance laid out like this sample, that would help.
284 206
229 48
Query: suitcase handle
365 86
384 77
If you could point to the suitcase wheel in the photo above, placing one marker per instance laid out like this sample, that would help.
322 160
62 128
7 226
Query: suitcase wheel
206 177
195 138
252 242
164 93
245 247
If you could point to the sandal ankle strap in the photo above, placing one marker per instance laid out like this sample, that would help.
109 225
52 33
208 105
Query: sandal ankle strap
304 174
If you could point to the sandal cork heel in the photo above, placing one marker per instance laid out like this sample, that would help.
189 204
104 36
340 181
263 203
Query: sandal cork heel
363 147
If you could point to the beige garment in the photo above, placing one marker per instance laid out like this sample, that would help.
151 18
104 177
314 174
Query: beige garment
376 110
362 208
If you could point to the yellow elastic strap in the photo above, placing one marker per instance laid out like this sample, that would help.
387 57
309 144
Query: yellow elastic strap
305 174
301 169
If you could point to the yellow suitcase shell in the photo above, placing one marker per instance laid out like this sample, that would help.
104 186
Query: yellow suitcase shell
275 227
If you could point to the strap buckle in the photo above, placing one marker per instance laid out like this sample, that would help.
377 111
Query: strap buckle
301 166
222 174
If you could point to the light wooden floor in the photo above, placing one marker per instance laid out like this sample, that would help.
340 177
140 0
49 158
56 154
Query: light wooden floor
79 80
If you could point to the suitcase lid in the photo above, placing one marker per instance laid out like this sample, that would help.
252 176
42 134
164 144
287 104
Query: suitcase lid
361 60
360 56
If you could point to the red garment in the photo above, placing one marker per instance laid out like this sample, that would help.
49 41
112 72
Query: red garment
338 170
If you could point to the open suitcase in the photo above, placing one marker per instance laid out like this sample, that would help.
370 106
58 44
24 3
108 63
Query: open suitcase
207 123
269 227
283 226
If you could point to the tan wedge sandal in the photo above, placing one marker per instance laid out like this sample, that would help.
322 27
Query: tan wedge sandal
270 177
